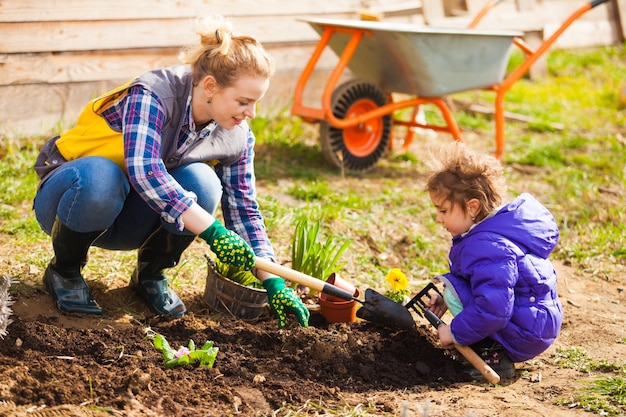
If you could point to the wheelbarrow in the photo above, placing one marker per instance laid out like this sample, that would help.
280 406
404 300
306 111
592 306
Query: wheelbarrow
422 63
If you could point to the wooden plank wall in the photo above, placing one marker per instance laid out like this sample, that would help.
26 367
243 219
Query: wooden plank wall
540 19
58 54
600 26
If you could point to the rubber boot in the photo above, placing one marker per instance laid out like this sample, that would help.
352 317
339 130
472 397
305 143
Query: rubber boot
161 250
63 275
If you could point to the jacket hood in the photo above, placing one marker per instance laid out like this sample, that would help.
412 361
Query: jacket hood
527 223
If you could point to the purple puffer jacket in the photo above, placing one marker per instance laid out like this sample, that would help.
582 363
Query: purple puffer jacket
501 273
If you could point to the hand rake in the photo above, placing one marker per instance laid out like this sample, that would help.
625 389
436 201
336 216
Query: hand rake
418 305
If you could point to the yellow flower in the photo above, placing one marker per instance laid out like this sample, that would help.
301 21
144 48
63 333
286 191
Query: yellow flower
397 279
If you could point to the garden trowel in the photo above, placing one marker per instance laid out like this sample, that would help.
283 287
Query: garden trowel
379 309
376 307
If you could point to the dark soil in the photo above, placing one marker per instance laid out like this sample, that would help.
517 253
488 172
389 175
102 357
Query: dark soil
112 364
54 365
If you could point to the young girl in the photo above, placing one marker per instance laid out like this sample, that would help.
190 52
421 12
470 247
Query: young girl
146 166
501 288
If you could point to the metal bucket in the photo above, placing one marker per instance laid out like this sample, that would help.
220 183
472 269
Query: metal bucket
226 296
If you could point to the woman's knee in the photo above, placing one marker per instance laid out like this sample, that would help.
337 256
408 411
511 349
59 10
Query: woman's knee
103 181
85 193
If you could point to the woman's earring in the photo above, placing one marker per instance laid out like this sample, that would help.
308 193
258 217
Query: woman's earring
208 101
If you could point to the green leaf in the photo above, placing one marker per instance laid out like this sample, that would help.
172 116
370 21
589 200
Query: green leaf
237 274
312 257
160 343
203 357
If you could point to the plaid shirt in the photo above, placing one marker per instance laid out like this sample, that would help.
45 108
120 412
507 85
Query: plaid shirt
140 116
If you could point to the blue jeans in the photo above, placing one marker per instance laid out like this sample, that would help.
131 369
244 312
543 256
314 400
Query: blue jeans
92 193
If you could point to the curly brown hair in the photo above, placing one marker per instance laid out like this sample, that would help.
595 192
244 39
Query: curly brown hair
460 174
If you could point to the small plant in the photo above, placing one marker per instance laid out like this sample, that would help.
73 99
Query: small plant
312 257
399 283
189 355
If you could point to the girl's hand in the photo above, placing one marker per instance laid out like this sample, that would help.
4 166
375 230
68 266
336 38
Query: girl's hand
445 336
436 304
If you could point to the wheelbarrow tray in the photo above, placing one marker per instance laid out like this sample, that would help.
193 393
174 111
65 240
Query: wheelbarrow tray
421 60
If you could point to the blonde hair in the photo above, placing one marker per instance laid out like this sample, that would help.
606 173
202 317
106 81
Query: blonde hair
224 55
459 175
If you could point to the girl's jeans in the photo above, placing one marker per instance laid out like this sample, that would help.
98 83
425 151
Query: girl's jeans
92 193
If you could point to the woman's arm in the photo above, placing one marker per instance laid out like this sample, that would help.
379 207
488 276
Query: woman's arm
239 205
142 124
197 219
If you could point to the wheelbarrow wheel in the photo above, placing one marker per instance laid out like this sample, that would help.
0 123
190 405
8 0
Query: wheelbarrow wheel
356 148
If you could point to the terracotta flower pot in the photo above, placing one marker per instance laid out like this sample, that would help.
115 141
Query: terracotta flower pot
339 282
336 310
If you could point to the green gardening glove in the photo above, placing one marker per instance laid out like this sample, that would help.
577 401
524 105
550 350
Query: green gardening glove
283 299
228 246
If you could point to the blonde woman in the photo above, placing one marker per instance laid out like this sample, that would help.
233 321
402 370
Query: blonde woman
146 166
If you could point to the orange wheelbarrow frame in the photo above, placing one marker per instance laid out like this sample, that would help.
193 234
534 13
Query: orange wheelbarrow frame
325 112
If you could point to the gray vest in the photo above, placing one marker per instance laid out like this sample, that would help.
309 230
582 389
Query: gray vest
173 87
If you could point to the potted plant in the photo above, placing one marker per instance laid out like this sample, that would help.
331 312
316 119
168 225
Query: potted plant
310 256
398 282
234 291
321 261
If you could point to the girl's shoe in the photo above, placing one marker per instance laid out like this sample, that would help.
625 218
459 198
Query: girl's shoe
495 357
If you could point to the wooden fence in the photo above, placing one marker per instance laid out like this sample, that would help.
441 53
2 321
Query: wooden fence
58 54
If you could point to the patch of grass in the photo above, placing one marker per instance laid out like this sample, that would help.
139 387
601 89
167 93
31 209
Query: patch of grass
25 229
18 180
286 146
405 157
276 215
18 183
578 359
311 191
605 395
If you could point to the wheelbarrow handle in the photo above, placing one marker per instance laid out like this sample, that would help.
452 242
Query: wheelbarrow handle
595 3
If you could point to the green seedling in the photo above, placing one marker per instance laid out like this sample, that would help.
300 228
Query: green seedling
189 355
